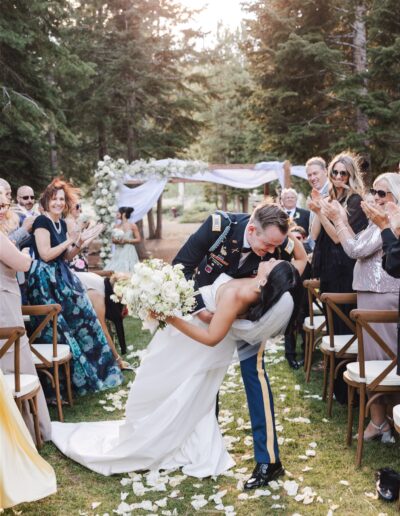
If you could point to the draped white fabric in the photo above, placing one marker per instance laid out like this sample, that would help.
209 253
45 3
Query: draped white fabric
144 197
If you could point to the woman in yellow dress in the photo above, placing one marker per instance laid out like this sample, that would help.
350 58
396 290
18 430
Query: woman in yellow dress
24 475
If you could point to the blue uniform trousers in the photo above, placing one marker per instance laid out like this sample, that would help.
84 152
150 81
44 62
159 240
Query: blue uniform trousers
261 408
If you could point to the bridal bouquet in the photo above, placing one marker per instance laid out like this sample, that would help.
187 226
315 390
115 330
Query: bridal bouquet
155 286
117 233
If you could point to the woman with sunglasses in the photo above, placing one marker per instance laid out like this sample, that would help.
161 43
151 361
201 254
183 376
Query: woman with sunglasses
330 263
376 290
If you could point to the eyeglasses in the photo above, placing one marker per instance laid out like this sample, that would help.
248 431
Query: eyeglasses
4 206
380 193
26 197
341 173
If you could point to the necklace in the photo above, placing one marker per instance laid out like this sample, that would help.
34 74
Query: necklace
58 229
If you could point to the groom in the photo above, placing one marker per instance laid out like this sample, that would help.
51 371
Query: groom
235 243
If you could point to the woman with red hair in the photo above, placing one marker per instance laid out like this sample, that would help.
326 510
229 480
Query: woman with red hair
51 281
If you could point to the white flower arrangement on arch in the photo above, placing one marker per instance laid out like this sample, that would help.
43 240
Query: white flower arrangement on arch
111 173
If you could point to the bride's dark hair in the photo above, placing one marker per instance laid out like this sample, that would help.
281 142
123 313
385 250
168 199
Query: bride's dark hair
284 277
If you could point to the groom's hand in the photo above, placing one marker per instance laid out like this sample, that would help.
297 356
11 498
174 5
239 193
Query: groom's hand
205 316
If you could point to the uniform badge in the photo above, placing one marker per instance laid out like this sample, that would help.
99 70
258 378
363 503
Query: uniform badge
289 247
208 269
216 222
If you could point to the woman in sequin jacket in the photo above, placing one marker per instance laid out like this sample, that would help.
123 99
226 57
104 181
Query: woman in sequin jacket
376 290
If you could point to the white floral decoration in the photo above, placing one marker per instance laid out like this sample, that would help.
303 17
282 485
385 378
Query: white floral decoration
111 173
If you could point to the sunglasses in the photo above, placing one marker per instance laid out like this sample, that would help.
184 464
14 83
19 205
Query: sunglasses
4 206
341 173
26 197
380 193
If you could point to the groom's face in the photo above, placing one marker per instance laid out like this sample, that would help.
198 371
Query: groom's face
263 241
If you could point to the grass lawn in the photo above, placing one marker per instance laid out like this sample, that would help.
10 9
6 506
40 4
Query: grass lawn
336 486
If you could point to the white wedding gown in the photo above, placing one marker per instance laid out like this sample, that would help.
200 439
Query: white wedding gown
170 413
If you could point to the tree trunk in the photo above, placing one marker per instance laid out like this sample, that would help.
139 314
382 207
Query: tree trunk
130 132
224 201
159 218
152 227
53 153
286 174
266 189
102 139
140 247
245 203
360 65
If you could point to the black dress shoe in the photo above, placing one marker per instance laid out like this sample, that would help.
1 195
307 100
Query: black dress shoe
264 473
293 363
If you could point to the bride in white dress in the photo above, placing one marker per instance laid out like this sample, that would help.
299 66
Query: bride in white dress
170 413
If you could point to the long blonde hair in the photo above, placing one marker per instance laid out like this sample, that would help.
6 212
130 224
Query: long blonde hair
352 164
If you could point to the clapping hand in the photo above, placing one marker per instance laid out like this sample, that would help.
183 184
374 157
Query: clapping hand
88 235
333 210
376 215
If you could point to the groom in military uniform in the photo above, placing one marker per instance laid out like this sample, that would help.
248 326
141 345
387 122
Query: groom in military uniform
234 244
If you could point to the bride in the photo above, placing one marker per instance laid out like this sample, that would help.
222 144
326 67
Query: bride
170 413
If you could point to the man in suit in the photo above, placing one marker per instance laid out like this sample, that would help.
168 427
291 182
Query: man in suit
298 216
235 244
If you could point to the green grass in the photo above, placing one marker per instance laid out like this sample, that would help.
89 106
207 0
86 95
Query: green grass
78 488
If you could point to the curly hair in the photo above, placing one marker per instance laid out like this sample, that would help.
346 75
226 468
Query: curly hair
71 194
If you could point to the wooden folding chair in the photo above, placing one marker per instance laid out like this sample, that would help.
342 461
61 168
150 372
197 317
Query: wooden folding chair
24 387
49 357
314 326
337 347
373 377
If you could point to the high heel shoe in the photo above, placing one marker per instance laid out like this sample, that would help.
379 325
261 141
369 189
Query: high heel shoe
385 436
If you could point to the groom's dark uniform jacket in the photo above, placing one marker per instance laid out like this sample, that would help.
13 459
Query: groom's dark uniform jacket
216 247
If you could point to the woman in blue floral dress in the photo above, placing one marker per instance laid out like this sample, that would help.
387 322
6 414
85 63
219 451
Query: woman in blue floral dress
94 367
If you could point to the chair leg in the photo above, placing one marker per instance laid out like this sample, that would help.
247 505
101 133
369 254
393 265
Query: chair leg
58 393
68 380
361 417
350 414
34 411
325 384
331 382
305 351
311 337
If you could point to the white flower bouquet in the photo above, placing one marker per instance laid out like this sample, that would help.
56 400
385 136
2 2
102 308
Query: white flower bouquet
155 287
117 234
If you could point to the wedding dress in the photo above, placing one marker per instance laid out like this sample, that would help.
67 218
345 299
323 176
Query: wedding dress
170 413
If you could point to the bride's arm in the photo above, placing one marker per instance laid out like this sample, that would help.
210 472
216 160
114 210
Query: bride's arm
227 311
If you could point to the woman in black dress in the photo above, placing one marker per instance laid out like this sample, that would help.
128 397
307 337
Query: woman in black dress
330 263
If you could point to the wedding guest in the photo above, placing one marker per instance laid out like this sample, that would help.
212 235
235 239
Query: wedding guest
330 262
25 476
25 203
7 189
11 261
125 236
376 290
298 216
51 281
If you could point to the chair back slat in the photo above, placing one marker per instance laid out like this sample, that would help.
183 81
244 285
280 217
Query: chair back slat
12 336
363 319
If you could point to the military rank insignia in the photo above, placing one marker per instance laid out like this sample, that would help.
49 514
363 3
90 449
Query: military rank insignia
289 246
216 222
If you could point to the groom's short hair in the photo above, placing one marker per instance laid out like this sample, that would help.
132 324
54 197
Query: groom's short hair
268 214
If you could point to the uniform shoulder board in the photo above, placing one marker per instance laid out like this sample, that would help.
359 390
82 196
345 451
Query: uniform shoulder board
216 222
289 246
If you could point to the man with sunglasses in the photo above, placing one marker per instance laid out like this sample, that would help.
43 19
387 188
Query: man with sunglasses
26 201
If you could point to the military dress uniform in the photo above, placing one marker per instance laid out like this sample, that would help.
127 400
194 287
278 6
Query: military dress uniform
216 248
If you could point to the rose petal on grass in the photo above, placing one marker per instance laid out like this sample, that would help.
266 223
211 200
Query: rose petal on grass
310 453
344 482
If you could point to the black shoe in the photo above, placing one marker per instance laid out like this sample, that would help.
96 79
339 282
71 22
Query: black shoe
293 363
264 473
